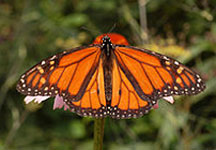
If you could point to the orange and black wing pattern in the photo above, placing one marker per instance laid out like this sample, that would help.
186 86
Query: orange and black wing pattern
154 76
76 75
126 103
93 102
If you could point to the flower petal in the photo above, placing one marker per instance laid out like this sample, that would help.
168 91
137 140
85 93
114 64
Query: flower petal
36 99
156 106
59 103
169 99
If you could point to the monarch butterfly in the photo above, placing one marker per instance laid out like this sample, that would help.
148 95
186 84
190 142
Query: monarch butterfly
109 78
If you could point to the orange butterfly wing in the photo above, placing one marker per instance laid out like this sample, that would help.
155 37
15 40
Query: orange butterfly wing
93 101
154 76
67 74
125 102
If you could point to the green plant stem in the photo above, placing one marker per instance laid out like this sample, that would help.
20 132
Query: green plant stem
143 21
98 133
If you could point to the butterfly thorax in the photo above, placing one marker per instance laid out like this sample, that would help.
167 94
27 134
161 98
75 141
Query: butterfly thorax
107 46
107 55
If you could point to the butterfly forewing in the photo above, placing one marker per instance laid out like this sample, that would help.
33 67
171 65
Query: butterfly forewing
66 74
154 75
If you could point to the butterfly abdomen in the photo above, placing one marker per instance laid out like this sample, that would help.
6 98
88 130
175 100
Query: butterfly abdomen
108 84
107 67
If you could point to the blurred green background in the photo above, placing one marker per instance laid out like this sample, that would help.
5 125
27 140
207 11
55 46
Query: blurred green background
32 30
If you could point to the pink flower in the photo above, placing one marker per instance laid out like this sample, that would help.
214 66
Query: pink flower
59 103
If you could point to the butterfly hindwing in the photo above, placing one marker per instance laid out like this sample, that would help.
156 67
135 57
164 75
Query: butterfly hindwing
93 101
125 103
67 74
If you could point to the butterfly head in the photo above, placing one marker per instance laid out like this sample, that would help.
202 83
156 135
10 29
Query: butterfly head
107 45
106 40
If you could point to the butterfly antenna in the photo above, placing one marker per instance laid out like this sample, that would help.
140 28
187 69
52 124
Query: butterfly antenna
92 31
112 28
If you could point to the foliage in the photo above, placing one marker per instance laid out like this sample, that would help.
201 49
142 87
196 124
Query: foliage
32 30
